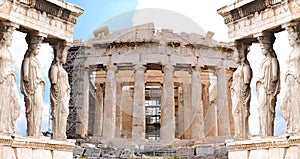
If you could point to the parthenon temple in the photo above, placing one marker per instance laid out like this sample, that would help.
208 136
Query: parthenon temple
145 83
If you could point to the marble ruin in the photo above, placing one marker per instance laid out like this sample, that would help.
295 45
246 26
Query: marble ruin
141 83
146 88
256 21
44 21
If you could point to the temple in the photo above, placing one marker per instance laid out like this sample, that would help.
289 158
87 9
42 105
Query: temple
142 83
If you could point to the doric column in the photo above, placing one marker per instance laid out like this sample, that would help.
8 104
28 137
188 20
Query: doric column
180 126
222 103
167 129
83 110
187 110
229 99
98 117
268 84
208 110
197 107
118 109
138 111
109 116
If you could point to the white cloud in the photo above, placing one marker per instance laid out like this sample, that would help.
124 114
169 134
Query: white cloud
202 12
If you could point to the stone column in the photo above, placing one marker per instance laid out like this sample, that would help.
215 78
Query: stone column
180 127
109 116
229 83
197 107
187 110
83 110
98 117
222 103
118 109
138 111
167 129
208 111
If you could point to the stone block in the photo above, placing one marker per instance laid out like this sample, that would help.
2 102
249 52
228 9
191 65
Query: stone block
7 153
277 153
62 154
261 153
90 151
185 151
205 150
293 152
238 154
41 154
78 151
24 153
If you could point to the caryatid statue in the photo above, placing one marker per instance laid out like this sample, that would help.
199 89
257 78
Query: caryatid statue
241 93
9 96
59 92
290 106
267 85
32 85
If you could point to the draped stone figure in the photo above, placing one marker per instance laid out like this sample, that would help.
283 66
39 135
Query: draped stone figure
241 93
9 96
267 85
290 106
59 93
33 86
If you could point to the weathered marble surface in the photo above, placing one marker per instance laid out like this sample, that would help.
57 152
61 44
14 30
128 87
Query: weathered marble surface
267 85
241 93
32 85
9 100
59 92
290 106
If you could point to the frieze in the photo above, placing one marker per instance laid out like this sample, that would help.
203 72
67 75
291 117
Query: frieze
251 8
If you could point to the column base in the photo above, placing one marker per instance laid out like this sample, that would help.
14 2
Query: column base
14 147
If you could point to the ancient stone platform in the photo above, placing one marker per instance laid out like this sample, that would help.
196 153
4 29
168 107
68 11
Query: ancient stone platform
281 147
19 147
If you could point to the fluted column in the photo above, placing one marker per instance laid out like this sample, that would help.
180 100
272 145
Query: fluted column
222 103
109 116
83 110
98 117
208 110
138 111
167 129
197 107
180 120
118 109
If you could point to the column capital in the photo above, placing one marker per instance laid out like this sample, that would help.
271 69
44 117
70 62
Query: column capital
168 67
139 67
266 38
111 67
34 38
197 68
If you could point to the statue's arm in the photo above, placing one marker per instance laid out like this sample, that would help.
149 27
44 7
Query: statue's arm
274 69
26 69
54 74
247 74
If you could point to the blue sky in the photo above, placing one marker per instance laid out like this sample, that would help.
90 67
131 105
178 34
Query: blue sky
120 14
97 12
